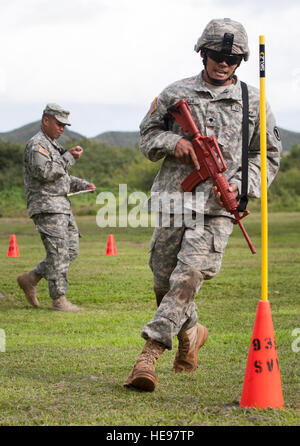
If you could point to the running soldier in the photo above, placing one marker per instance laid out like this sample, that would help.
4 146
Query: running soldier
182 258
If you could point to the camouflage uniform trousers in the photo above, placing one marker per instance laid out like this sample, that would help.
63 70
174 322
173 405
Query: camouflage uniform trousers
181 259
60 236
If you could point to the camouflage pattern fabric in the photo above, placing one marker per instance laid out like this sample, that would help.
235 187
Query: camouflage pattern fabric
60 236
181 259
46 177
58 112
217 113
212 37
47 183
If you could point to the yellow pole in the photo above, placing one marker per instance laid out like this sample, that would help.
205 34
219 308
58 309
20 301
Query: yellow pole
264 189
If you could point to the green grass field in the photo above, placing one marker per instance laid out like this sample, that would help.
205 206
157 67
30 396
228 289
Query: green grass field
69 369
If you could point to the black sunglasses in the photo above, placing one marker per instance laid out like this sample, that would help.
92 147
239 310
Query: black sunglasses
230 59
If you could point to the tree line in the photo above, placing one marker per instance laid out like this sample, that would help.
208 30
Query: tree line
108 166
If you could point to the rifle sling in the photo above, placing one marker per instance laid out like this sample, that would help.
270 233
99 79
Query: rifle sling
243 196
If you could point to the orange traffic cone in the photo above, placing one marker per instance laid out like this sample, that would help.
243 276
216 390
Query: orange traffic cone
111 246
13 250
262 383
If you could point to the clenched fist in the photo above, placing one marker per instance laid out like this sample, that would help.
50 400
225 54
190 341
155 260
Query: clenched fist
76 152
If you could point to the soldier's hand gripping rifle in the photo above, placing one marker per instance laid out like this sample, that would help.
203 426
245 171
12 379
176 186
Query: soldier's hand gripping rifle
212 164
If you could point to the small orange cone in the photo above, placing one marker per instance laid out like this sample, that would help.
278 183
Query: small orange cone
13 250
111 246
262 383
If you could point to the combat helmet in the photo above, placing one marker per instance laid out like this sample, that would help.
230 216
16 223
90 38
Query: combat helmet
224 35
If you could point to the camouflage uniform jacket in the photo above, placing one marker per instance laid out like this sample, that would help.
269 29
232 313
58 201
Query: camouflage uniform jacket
46 177
217 113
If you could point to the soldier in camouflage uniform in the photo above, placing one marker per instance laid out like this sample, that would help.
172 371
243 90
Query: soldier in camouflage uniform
47 183
183 257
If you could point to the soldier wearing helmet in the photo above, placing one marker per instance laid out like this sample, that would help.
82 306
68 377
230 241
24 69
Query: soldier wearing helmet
183 257
223 40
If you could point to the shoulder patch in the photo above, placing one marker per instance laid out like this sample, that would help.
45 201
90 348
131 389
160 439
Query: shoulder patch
44 151
153 106
277 133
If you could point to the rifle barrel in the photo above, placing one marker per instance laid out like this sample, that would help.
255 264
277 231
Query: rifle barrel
250 244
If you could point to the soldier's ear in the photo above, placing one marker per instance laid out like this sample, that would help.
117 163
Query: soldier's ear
45 120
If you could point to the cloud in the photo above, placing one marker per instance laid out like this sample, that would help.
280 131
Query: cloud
35 13
124 53
258 6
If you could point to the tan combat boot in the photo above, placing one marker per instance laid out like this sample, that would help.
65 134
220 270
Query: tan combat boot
143 374
28 282
62 304
190 342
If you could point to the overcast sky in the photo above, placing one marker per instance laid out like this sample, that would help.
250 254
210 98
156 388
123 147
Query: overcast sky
106 60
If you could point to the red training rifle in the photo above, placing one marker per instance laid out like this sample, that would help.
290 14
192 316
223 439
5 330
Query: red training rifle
212 164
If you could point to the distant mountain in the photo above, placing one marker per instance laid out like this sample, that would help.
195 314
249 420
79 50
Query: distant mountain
289 139
119 139
24 133
122 139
